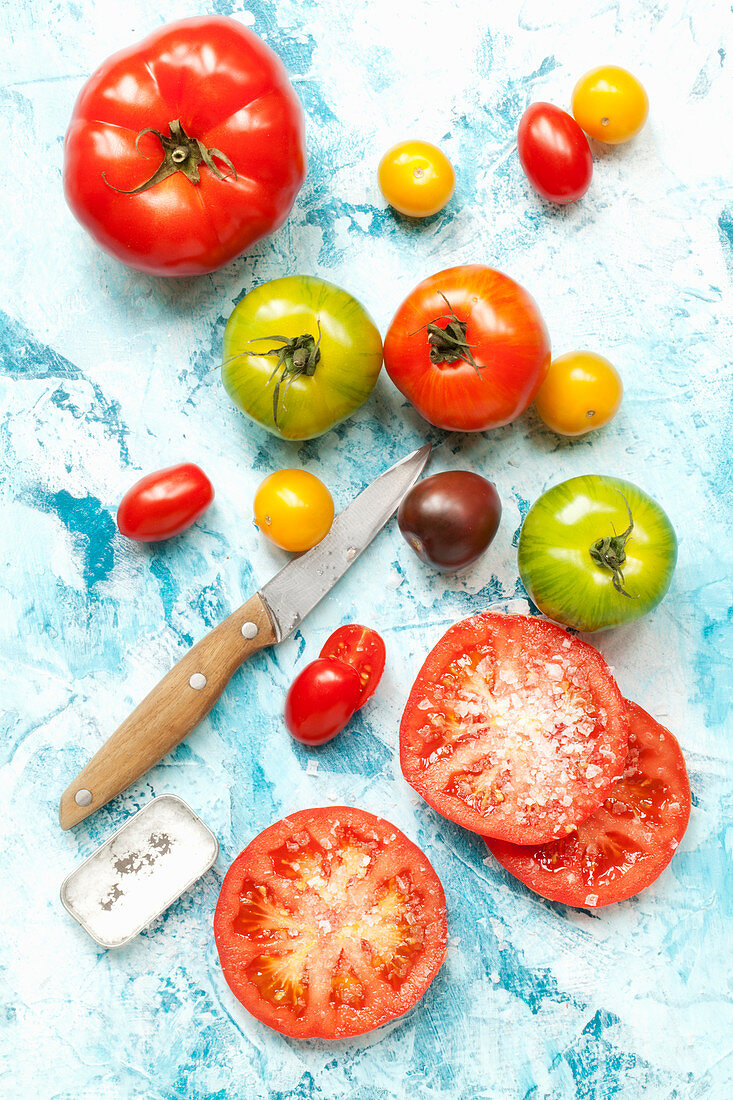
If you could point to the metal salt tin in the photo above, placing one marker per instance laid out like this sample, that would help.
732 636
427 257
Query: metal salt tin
139 856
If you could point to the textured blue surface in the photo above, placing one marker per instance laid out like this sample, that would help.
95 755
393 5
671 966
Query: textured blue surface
107 374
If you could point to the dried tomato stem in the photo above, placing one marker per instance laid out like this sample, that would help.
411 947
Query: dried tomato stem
610 553
181 153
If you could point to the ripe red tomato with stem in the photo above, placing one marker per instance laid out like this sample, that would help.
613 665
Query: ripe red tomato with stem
363 650
626 843
321 700
330 923
164 503
514 728
554 153
186 148
468 348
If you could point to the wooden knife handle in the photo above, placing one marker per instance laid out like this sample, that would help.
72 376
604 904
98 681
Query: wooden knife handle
169 712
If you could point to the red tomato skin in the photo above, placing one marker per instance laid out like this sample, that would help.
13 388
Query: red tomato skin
554 153
229 90
254 861
164 503
663 760
361 648
322 699
508 339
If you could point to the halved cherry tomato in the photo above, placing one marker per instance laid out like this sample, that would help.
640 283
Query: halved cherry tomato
554 153
416 178
330 923
293 509
582 392
513 728
626 844
164 503
361 648
321 700
468 348
610 104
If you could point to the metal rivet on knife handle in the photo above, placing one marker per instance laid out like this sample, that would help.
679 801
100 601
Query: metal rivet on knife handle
250 630
198 681
83 797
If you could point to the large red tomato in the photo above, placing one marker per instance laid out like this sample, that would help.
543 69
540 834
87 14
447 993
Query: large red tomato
330 923
468 348
186 148
514 729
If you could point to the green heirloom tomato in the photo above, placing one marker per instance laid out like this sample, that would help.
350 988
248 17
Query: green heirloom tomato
300 355
596 552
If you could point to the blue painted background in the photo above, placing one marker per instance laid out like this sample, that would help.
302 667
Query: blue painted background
107 374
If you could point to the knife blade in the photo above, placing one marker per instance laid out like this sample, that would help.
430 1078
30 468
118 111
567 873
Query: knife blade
187 693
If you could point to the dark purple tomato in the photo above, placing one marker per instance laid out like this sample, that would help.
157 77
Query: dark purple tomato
450 519
554 153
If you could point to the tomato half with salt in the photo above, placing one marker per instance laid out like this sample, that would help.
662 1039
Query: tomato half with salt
513 728
626 844
330 923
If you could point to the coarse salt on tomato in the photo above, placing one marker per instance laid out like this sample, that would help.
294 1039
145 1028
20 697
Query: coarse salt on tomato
512 733
628 841
330 923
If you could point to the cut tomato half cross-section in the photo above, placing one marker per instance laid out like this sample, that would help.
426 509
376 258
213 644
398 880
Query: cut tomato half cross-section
330 923
626 844
514 728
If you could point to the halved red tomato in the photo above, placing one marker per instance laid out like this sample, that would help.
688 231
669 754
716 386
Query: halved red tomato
361 648
626 844
514 728
330 923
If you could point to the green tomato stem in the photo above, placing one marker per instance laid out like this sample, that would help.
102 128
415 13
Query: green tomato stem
295 358
610 553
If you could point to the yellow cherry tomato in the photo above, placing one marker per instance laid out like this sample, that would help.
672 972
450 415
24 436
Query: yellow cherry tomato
582 391
610 104
293 509
416 178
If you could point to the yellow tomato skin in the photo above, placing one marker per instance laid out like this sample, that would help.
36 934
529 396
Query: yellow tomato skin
416 178
581 392
610 104
293 509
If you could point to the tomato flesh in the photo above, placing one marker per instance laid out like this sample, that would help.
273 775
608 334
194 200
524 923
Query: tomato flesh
626 844
330 923
513 728
363 650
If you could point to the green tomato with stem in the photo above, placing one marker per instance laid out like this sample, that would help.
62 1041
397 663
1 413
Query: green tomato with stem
596 552
300 356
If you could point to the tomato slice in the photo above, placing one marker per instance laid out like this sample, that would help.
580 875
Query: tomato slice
361 648
514 728
626 844
330 923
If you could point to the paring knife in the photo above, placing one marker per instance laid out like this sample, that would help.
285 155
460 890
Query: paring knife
188 692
